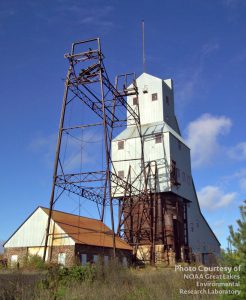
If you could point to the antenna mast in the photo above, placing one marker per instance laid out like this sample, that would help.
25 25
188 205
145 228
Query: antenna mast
143 43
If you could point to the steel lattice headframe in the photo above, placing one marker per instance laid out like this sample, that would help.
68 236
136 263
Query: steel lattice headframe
86 74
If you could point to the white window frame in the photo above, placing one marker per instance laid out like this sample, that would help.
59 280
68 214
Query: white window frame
13 259
121 173
124 261
135 101
106 259
61 258
83 259
121 145
154 96
158 138
95 258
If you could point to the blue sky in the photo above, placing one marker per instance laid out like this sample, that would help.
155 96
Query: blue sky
200 44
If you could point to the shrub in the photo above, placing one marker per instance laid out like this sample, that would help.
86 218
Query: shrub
33 262
76 274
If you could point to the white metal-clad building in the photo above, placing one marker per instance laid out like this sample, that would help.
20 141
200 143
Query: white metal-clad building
73 239
164 145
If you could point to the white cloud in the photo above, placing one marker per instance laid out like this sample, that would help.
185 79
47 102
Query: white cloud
45 147
191 79
213 197
187 84
238 152
242 183
238 177
239 58
76 158
219 224
202 137
76 150
83 13
233 3
209 48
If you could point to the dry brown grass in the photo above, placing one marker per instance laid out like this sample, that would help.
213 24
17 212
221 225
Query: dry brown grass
113 282
145 284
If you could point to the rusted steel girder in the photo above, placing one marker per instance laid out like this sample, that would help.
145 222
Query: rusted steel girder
87 71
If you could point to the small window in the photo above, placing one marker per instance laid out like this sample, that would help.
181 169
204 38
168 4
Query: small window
95 258
61 258
106 259
189 180
191 227
183 176
135 101
173 173
154 97
120 145
121 174
13 260
179 145
83 259
124 261
158 138
167 100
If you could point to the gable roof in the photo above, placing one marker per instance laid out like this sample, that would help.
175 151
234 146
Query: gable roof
147 75
148 129
85 230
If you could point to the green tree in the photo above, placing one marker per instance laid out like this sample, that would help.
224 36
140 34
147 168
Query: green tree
236 253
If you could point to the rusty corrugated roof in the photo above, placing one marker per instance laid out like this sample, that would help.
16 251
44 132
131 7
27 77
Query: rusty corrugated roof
87 231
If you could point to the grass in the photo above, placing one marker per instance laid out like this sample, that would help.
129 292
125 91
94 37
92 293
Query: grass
93 283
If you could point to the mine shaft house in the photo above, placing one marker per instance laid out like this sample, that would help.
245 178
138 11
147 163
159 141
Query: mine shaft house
74 239
174 225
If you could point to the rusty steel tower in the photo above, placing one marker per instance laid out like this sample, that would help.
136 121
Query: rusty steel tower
88 84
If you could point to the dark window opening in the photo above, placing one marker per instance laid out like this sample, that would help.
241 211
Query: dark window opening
167 99
121 145
191 227
158 138
121 174
154 97
174 174
145 89
135 101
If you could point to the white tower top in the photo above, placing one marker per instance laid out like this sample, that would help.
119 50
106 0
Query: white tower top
156 101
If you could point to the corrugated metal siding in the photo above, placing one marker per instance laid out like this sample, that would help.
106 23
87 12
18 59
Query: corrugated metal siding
32 232
201 237
180 153
159 152
158 116
149 110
